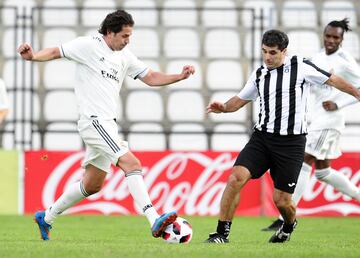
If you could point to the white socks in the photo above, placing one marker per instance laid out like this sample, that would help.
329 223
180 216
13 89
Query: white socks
140 194
339 181
302 182
71 196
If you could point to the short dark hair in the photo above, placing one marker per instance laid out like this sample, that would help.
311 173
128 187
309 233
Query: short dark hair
115 21
344 24
273 38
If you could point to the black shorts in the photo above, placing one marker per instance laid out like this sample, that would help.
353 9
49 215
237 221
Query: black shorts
282 154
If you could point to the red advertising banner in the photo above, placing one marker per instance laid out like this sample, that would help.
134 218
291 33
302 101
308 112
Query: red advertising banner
189 182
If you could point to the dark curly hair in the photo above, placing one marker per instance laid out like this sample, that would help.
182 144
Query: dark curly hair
344 24
273 38
115 21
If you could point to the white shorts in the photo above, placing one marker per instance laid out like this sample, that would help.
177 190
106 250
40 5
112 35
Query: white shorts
102 141
323 144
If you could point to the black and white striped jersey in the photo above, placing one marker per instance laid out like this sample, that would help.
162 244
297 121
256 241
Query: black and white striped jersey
283 93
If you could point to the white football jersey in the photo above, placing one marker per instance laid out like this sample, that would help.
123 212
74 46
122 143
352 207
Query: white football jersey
99 75
342 64
4 102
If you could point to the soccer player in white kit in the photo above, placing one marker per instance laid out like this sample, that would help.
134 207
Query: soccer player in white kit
103 61
323 139
4 102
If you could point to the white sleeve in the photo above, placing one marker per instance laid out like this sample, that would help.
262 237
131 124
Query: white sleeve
4 102
314 74
344 100
136 67
249 91
77 49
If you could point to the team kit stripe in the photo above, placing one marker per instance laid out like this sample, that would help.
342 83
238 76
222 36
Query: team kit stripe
100 129
283 92
278 100
292 95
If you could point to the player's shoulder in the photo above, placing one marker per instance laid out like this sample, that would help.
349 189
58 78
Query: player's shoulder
345 56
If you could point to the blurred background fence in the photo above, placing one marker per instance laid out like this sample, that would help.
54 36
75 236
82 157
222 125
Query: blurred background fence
221 38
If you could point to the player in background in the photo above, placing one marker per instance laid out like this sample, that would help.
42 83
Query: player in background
278 142
323 139
103 61
4 102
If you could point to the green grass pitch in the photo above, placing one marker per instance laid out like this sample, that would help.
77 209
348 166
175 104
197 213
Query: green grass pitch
124 236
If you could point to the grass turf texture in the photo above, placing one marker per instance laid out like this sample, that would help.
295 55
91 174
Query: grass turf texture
123 236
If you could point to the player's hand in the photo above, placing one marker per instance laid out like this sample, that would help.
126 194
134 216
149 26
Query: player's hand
187 71
329 105
26 51
215 107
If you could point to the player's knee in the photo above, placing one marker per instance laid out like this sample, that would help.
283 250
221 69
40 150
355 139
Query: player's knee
92 188
236 180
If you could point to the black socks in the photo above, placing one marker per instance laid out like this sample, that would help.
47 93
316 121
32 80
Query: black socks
223 228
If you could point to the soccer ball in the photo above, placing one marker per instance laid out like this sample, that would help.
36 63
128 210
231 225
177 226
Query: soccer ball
179 232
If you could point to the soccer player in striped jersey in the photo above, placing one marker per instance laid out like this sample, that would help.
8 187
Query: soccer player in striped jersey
323 139
103 61
282 83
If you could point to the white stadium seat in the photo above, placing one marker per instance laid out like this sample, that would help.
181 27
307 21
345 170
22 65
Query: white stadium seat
13 79
222 43
23 104
16 132
68 140
182 17
144 106
229 137
140 140
225 16
190 137
9 13
338 10
9 46
253 43
185 106
270 13
143 12
350 139
303 42
60 106
194 82
144 43
94 17
231 75
59 74
53 14
351 44
239 116
56 37
350 112
182 43
299 14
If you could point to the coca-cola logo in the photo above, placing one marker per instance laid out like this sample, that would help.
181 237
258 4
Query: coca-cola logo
200 196
188 182
336 201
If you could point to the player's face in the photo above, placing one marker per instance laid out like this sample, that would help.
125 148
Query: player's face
273 57
332 39
119 40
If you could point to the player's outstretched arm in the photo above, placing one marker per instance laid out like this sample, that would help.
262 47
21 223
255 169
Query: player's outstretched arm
232 105
153 78
343 85
46 54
